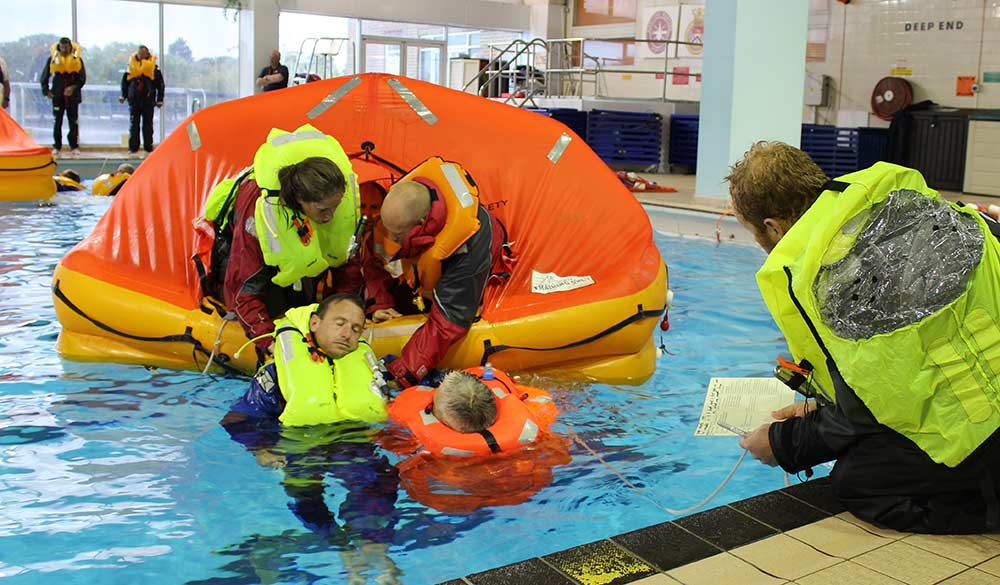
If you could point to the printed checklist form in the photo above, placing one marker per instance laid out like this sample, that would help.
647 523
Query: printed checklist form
741 403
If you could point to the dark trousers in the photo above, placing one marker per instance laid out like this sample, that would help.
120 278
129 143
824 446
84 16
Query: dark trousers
141 110
887 480
72 110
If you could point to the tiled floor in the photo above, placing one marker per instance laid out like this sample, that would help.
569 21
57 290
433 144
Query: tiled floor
798 535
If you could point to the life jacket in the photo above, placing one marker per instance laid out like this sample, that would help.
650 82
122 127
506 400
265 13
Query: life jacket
516 426
141 67
109 183
456 189
320 390
60 63
67 182
932 378
293 243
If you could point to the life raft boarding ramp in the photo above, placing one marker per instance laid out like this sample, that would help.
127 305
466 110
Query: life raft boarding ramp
25 167
582 300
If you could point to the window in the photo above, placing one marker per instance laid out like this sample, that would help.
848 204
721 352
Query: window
200 62
406 30
329 59
25 48
102 119
596 12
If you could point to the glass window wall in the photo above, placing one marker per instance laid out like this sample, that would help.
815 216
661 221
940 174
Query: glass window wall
200 62
25 49
107 45
326 59
598 12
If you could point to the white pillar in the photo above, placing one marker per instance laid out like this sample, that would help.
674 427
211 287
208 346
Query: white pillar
548 19
752 85
258 37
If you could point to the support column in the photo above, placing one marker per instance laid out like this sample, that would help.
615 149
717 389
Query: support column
258 37
752 86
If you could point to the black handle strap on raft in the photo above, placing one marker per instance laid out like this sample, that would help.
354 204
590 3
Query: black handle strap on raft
186 337
489 349
838 186
366 152
38 168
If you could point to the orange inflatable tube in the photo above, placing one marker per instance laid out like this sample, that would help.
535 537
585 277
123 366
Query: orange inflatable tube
582 300
26 168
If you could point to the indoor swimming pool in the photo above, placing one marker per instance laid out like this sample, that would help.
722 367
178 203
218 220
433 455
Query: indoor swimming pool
122 474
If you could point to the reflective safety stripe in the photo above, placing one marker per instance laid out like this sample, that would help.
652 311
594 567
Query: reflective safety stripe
290 137
396 330
193 137
287 342
529 432
270 223
499 392
457 185
559 147
413 101
332 98
457 452
428 418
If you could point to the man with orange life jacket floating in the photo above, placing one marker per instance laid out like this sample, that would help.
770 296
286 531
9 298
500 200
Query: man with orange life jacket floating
436 237
142 86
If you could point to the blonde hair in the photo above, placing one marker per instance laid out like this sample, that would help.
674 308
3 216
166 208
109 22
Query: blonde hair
774 180
466 402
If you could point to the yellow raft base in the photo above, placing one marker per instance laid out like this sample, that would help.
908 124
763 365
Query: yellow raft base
26 178
144 326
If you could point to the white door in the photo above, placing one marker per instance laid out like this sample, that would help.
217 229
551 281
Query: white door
419 59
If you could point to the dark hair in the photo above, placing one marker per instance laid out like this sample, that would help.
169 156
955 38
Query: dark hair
65 40
71 174
312 180
336 298
144 47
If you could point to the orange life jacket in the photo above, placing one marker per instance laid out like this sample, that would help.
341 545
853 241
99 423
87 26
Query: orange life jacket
455 188
516 426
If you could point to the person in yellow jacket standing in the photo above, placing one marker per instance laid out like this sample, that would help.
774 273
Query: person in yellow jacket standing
889 299
66 70
143 87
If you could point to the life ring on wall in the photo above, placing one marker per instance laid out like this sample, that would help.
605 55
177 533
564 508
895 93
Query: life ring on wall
891 94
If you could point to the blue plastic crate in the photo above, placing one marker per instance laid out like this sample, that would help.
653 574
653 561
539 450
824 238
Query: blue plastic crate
683 148
627 138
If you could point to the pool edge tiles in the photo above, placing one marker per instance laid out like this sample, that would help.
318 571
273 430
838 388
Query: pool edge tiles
663 547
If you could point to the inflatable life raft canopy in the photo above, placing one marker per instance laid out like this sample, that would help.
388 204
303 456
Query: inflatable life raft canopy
582 299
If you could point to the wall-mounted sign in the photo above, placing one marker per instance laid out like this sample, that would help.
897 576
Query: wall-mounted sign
991 76
901 72
933 25
965 86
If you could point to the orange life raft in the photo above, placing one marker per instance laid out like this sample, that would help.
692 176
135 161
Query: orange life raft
25 167
582 300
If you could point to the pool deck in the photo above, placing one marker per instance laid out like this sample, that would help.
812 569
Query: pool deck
797 535
92 162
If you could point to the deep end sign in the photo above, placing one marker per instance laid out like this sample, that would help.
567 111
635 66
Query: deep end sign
931 25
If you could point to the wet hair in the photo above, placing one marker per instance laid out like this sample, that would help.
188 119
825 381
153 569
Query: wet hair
336 298
774 180
70 174
312 180
469 403
125 168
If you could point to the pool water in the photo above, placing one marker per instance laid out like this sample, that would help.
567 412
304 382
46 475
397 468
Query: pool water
122 474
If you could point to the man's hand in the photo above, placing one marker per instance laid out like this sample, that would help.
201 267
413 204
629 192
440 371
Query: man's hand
68 90
121 100
49 94
385 314
794 410
759 446
266 458
159 104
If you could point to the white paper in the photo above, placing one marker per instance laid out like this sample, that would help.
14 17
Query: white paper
549 282
745 403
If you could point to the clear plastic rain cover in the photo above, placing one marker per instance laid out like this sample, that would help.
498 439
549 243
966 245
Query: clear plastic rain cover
896 263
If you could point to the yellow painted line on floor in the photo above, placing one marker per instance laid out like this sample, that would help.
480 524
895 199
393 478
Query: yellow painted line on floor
601 566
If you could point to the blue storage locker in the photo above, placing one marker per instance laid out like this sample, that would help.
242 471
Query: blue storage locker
625 138
683 148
